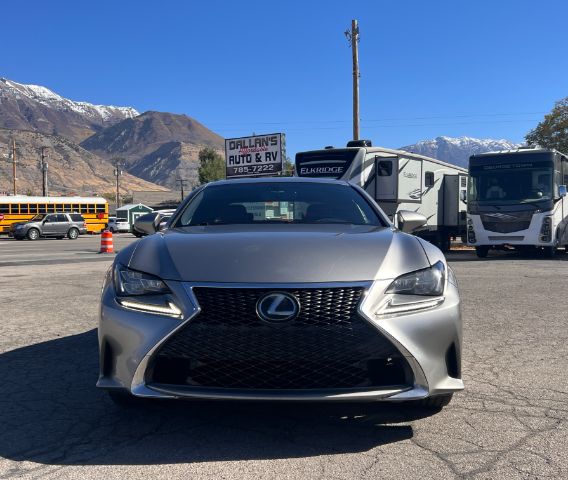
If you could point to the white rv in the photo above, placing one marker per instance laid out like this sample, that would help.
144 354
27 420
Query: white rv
398 180
518 198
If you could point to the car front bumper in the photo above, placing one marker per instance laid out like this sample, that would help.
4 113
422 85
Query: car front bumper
129 341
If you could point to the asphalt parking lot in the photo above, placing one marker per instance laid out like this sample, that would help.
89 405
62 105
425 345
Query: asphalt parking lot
510 422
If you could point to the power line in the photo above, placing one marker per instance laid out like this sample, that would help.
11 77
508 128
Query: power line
385 119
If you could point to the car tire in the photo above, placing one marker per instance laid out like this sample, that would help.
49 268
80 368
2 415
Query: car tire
33 234
72 234
112 230
124 399
482 251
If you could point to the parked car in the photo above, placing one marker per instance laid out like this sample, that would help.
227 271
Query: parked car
281 289
80 220
58 225
116 225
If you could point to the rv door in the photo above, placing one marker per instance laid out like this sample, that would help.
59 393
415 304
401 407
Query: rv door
386 178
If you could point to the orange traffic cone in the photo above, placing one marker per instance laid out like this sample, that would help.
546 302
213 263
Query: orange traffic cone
106 242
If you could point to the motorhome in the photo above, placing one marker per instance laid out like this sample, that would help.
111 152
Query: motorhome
398 180
518 199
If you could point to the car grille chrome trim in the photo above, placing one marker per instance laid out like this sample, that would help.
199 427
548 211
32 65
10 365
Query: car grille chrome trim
297 344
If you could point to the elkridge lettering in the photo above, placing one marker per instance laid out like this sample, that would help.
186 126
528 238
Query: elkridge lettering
320 170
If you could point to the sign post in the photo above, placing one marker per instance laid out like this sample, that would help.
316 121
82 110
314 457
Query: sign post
255 156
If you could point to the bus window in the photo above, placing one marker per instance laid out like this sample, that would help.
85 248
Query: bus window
4 208
100 208
67 207
33 208
42 208
14 208
50 208
24 208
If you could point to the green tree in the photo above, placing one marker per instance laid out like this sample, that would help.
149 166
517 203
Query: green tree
552 132
288 168
211 165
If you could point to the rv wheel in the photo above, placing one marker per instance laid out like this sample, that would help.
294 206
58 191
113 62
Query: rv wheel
482 251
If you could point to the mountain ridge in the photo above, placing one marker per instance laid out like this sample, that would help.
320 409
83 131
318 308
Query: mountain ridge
457 150
37 108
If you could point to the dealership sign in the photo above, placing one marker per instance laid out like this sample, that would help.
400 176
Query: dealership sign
255 156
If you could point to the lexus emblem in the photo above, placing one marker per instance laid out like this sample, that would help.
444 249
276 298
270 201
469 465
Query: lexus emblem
277 307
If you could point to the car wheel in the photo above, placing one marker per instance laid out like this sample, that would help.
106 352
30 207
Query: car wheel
124 399
112 230
435 402
444 242
482 251
549 252
72 234
33 234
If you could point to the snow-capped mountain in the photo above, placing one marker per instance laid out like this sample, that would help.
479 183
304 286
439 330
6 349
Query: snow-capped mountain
34 107
458 150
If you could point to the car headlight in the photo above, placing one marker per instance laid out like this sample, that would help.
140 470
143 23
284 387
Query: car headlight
133 282
142 291
414 291
429 282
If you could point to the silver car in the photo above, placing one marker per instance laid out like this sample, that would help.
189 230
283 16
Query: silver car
281 289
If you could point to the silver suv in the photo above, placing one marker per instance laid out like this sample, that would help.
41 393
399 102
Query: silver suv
58 225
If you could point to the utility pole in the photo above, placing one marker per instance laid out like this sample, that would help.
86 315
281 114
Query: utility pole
44 167
182 183
14 164
117 174
353 37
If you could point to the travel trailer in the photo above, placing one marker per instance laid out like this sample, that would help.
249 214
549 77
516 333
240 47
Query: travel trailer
398 180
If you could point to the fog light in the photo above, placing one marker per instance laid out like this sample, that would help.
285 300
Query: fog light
471 235
546 230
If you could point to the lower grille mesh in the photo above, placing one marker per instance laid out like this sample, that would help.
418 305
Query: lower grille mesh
327 346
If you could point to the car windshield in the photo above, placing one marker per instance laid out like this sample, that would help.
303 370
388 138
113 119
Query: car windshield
508 183
284 202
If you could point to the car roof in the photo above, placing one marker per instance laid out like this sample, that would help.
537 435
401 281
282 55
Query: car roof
279 180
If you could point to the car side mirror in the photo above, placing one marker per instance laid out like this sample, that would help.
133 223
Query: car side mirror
562 190
46 220
148 223
408 221
463 196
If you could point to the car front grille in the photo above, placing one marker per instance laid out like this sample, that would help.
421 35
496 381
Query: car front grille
506 223
327 346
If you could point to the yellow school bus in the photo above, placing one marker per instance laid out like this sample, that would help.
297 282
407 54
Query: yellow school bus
19 208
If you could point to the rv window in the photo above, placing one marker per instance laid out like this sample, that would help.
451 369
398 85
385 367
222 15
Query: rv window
429 179
384 168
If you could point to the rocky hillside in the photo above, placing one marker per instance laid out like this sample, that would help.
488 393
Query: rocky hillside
156 146
72 170
33 107
458 150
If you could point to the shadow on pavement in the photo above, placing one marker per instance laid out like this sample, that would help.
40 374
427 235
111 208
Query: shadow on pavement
52 413
502 255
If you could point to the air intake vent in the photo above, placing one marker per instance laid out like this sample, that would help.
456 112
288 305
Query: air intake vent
360 143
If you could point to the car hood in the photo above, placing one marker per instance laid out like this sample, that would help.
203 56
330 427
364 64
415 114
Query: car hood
276 254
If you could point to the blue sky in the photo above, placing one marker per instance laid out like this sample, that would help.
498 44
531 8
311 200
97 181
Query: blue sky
484 68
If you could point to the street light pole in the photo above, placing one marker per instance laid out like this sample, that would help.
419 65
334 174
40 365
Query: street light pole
182 183
44 167
118 173
353 37
14 165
